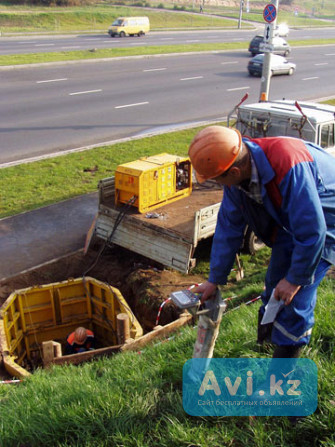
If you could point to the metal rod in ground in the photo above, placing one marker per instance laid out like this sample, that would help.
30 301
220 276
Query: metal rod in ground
244 304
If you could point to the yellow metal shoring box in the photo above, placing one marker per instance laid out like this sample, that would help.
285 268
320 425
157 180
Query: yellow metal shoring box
50 312
154 181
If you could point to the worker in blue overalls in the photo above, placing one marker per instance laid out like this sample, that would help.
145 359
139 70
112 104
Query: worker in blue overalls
284 189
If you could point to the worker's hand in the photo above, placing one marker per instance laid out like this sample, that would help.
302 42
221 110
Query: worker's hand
285 291
207 289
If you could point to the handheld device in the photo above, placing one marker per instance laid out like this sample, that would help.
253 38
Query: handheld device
185 299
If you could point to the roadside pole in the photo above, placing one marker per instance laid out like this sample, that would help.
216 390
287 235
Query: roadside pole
270 17
240 15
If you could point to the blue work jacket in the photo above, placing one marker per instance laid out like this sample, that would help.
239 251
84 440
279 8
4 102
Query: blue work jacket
297 181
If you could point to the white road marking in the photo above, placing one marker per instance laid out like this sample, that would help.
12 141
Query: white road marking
322 63
83 93
51 80
132 105
193 40
237 88
139 43
70 47
154 69
330 54
190 79
310 79
44 45
27 42
167 38
228 63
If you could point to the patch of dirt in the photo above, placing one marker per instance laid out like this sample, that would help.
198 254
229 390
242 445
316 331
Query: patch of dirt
143 284
331 272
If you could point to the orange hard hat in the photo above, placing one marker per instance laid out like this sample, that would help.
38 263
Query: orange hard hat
80 335
213 150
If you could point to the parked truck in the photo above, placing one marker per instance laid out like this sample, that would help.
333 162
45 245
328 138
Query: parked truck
309 121
171 233
152 208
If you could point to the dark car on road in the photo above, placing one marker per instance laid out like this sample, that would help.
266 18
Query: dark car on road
280 46
279 65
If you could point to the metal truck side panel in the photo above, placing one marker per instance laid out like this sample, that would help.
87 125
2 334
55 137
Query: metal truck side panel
147 240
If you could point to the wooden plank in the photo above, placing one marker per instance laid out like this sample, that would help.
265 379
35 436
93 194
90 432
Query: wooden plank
75 359
122 324
161 332
47 352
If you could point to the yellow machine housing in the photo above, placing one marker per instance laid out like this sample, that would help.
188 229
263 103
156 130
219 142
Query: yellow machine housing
153 181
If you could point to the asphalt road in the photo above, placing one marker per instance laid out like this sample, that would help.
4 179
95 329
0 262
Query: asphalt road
47 109
38 44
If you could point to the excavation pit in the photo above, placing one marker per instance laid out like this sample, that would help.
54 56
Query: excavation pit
46 304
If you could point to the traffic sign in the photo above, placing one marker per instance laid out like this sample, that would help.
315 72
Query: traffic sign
270 13
268 32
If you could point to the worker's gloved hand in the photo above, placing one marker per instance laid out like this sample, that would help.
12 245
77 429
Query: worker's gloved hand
285 291
207 290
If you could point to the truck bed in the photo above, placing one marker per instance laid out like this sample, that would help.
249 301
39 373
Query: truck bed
169 239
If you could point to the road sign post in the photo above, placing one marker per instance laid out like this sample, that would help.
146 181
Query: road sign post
270 17
240 14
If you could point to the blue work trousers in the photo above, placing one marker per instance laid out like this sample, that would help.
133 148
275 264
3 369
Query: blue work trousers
293 324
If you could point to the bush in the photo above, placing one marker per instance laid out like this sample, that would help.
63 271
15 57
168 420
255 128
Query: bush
161 6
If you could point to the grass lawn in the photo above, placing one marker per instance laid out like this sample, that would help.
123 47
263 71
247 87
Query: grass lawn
135 399
44 180
98 18
34 58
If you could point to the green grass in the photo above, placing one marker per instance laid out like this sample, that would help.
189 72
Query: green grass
289 18
18 59
44 180
35 58
135 399
99 17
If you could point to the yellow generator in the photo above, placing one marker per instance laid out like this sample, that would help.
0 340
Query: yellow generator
154 181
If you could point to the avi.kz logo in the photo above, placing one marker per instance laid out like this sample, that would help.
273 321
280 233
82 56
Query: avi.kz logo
246 387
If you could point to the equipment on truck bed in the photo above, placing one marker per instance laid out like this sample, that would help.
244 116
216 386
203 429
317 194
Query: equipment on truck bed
154 181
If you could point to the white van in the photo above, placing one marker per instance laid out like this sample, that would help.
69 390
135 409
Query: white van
130 26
